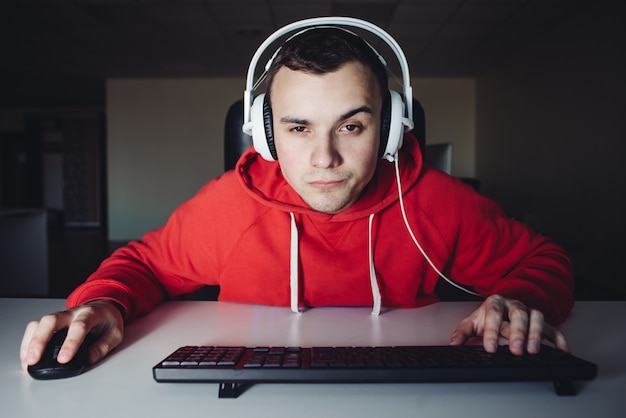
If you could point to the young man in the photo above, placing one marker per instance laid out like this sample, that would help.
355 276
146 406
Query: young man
323 225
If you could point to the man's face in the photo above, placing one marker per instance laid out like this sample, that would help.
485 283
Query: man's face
327 133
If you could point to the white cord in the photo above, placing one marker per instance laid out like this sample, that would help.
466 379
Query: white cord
417 244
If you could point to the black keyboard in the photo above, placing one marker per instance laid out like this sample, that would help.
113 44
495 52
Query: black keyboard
235 368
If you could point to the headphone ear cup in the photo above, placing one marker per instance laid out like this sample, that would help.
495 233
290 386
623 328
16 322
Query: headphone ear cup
395 127
262 133
269 127
385 120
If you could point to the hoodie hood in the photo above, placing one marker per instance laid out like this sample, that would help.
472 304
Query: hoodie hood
264 181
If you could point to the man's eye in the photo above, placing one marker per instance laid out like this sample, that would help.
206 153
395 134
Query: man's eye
298 129
351 128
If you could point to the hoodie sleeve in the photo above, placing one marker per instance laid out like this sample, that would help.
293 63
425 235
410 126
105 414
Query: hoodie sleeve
170 261
498 255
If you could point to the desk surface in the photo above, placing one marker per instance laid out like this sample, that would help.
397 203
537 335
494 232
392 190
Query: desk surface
122 385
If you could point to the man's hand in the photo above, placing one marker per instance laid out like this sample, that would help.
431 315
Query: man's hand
100 317
498 317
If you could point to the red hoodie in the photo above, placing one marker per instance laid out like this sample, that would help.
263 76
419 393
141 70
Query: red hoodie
250 233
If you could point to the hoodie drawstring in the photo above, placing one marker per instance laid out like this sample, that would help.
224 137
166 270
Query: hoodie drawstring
373 280
294 268
293 265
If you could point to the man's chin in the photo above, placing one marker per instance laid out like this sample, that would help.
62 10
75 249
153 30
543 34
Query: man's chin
330 206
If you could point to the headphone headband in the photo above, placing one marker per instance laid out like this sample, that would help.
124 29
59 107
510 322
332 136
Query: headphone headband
312 23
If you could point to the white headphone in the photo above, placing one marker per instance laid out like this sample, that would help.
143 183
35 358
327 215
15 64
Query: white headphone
257 114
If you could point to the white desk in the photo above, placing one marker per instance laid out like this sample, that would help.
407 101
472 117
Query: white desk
122 385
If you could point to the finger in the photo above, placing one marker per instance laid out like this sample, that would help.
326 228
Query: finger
463 332
560 342
76 334
103 346
505 331
494 315
104 320
518 326
37 335
535 331
89 318
24 346
556 337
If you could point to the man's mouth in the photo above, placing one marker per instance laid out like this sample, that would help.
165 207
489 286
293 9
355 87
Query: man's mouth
326 184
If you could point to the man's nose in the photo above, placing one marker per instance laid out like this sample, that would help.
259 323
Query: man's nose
325 153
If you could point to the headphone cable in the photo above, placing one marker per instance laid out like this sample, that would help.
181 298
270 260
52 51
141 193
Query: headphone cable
415 241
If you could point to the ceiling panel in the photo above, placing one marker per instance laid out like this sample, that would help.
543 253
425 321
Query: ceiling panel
96 39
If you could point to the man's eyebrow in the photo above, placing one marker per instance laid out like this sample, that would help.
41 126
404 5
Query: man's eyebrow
353 112
294 120
298 121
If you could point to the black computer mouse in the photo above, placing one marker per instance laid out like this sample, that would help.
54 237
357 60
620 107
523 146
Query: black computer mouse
49 368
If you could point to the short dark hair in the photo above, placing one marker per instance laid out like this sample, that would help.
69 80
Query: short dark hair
325 49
